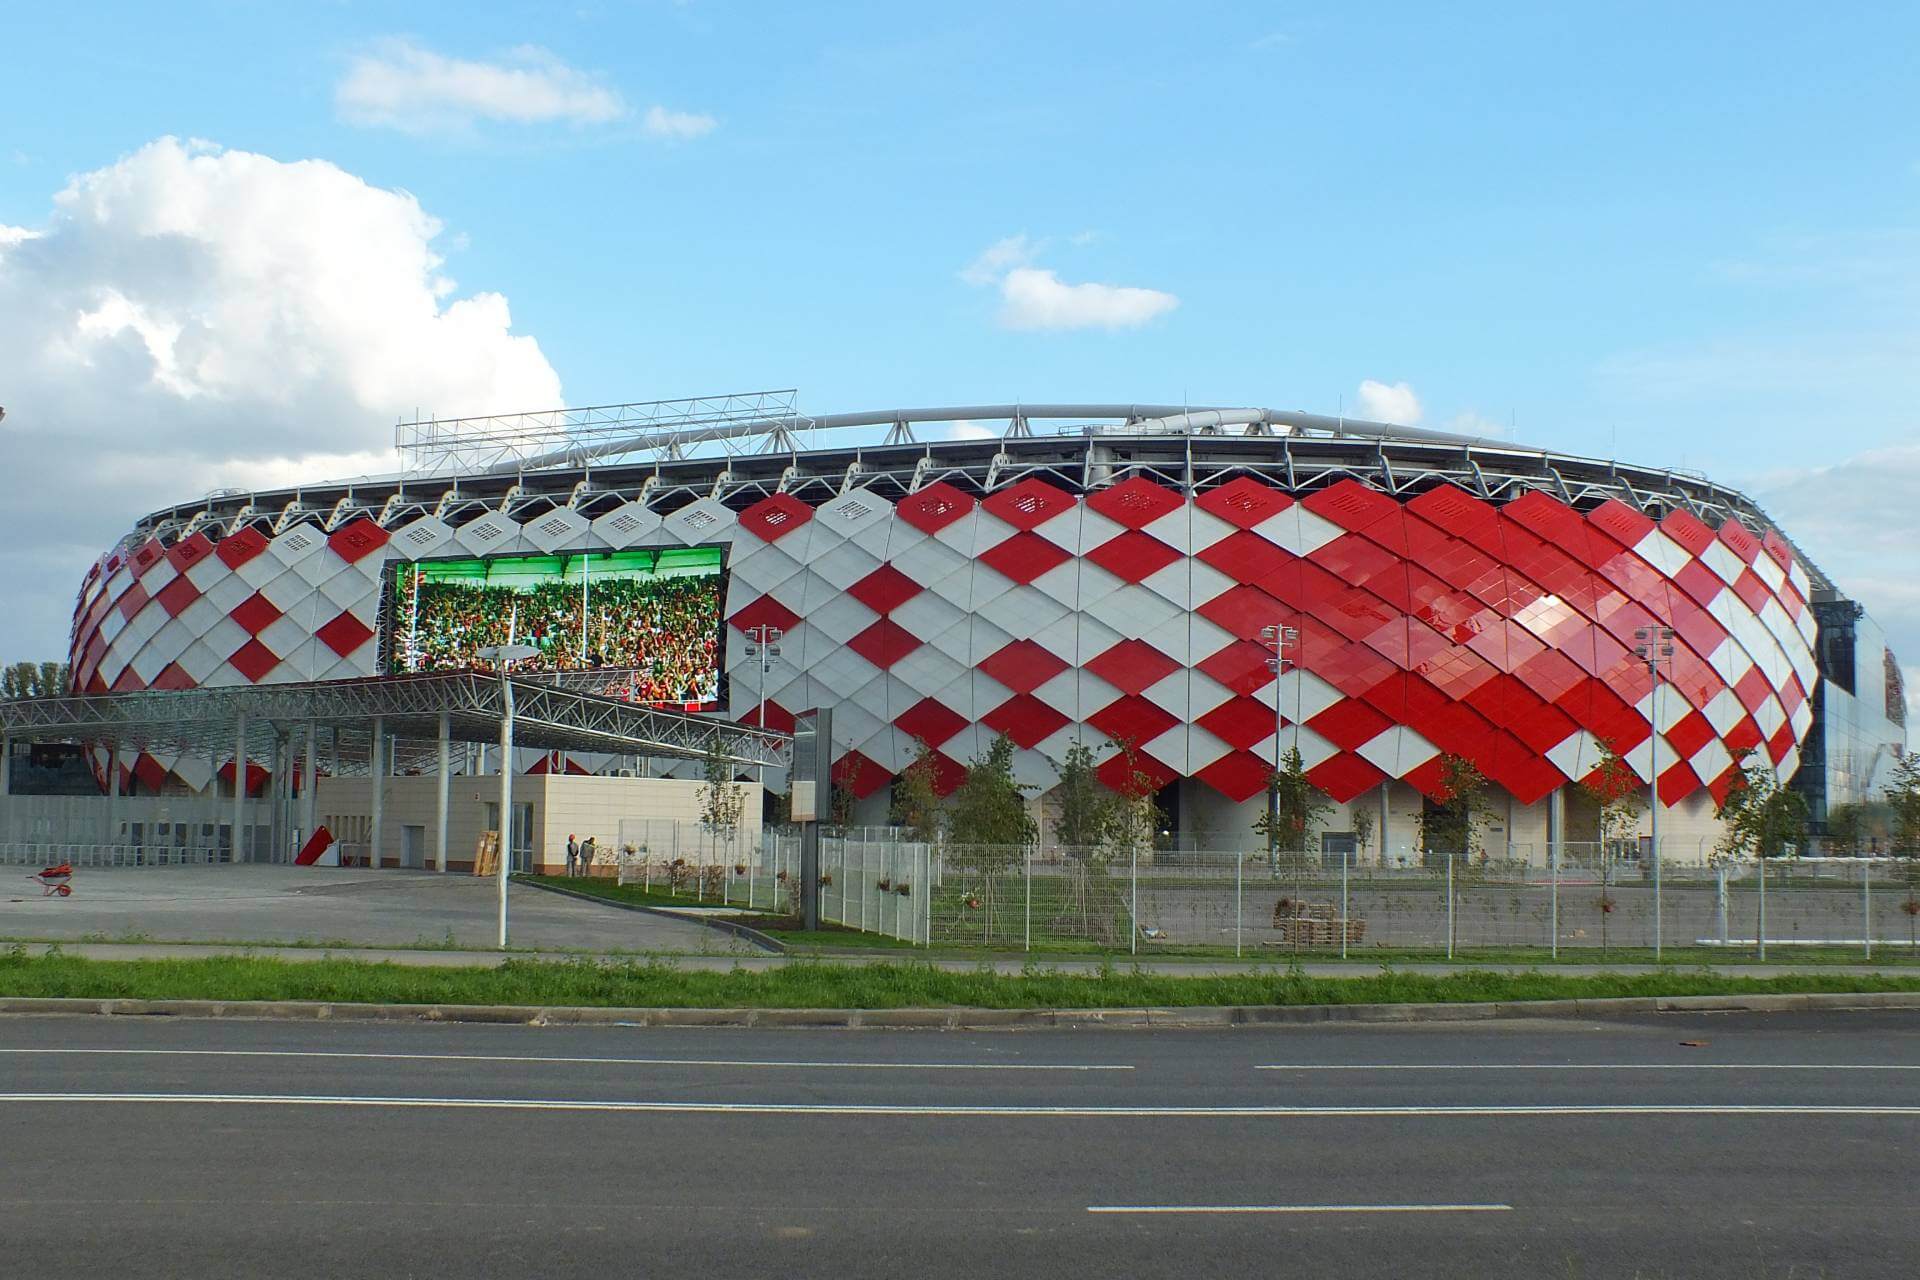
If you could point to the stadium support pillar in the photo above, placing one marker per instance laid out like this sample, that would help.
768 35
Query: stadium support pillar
445 784
377 777
6 765
309 776
239 789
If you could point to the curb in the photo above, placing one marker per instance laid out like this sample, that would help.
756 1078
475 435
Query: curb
959 1019
738 930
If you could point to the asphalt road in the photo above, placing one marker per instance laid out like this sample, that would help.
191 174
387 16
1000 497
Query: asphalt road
1777 1146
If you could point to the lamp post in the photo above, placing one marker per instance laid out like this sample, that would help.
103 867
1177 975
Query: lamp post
503 656
1655 647
763 645
1279 639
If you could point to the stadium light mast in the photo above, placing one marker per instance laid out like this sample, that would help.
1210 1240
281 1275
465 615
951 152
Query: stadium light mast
1280 639
763 645
1655 647
503 656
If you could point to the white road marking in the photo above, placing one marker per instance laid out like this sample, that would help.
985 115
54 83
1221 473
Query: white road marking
615 1062
1588 1066
1299 1208
1008 1112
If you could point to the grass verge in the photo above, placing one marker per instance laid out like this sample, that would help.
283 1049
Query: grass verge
656 984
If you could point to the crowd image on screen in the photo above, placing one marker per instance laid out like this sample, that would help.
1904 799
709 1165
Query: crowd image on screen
664 630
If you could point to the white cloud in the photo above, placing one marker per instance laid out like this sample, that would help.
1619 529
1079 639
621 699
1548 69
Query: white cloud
1033 297
190 317
400 85
1395 403
1470 423
678 125
1855 520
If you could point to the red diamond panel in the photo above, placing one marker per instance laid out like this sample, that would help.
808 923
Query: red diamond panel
147 556
1241 667
1135 502
778 719
1027 504
1024 557
1133 555
188 552
1240 722
256 613
1741 540
236 549
1246 557
1025 719
1677 783
1620 522
1350 504
934 507
885 589
1237 775
1345 776
253 660
1132 666
884 643
1453 510
1684 529
355 542
1132 719
859 775
1243 501
1244 610
177 595
1024 666
1689 735
1135 774
172 677
930 721
344 634
773 518
1349 723
132 601
764 612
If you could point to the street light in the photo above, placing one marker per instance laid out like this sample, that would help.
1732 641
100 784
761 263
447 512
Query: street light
503 656
1655 647
1279 639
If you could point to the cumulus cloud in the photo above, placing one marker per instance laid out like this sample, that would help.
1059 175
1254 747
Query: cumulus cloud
399 85
678 125
1395 403
1034 298
191 317
1855 520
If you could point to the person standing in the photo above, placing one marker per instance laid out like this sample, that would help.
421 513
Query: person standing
573 855
586 856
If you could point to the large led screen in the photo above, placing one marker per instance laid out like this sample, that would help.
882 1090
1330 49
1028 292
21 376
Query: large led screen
649 618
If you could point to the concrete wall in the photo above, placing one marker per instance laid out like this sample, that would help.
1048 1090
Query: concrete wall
562 804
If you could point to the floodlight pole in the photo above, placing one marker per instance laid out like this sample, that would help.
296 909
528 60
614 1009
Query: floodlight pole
1655 648
1279 639
763 643
503 656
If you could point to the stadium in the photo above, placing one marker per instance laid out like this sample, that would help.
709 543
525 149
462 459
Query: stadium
1108 574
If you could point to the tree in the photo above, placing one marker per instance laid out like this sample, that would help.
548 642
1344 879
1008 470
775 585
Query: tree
987 818
1136 818
1849 826
1759 817
1088 807
916 797
1364 816
22 680
1295 808
721 798
1454 821
1616 790
1903 797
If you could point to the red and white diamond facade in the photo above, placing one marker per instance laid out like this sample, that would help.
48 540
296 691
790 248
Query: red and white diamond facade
1429 623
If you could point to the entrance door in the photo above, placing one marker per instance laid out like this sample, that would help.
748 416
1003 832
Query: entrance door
522 831
1337 847
413 846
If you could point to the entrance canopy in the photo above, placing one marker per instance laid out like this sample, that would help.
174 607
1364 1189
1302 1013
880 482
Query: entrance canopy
547 715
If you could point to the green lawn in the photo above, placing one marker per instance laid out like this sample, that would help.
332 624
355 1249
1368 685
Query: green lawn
658 984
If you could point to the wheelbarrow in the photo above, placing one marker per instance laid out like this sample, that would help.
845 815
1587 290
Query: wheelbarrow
56 879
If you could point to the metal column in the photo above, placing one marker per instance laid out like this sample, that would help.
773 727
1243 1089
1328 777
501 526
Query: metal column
377 779
309 778
239 789
445 782
506 800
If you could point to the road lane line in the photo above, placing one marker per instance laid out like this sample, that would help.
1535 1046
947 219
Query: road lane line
616 1062
1587 1066
1299 1208
930 1110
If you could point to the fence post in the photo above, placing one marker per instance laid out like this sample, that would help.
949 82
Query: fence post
1553 902
1133 940
1866 908
1346 857
1657 860
1720 890
1761 932
1239 911
1028 943
1449 858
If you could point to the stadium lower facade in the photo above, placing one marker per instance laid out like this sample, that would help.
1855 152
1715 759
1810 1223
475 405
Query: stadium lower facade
1096 573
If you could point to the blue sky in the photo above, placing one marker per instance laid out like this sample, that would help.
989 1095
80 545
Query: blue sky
1674 234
